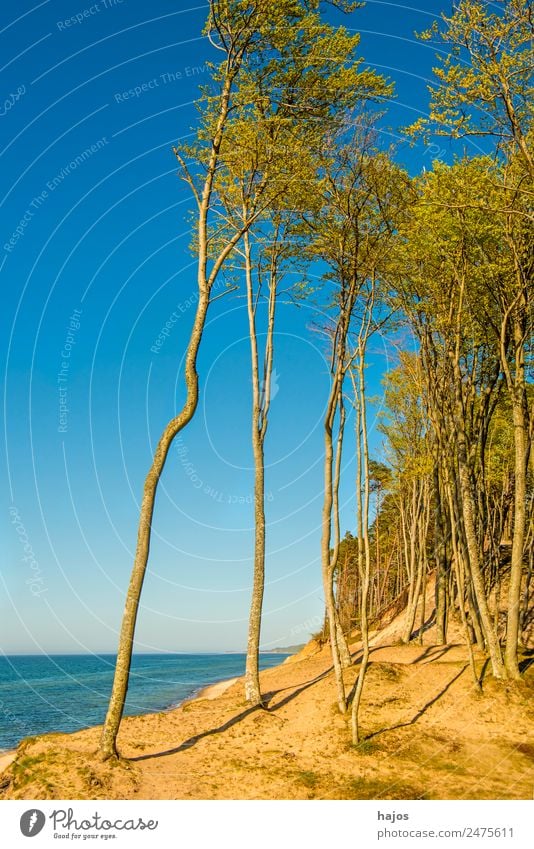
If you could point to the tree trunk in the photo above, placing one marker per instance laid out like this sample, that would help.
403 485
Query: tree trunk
477 578
108 740
468 512
108 747
344 653
260 409
362 453
520 504
460 583
441 562
327 571
252 681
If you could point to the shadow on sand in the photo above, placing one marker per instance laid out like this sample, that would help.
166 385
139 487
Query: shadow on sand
429 655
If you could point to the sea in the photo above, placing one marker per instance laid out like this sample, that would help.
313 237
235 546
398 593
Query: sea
45 693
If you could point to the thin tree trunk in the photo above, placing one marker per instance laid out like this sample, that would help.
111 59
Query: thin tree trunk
441 563
416 572
325 543
477 578
460 583
108 740
520 505
423 607
344 653
124 655
260 407
468 508
362 450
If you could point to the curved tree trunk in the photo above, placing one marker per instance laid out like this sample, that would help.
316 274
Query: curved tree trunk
477 577
124 655
460 584
205 280
468 507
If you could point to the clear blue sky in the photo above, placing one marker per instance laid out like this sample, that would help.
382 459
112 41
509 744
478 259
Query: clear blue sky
94 260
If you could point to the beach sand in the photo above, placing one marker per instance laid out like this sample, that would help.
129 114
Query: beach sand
7 758
213 691
427 734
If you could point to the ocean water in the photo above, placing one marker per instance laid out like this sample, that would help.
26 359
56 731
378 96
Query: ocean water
39 694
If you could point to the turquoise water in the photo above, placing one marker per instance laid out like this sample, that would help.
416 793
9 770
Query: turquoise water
39 694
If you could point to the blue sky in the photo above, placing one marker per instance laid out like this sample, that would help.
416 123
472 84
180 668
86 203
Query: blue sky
94 261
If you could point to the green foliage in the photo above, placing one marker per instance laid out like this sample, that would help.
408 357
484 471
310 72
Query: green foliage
484 73
292 79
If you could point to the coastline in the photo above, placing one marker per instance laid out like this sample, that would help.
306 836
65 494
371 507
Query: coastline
213 691
197 690
7 758
214 746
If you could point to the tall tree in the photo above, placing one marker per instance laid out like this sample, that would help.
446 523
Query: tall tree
441 263
485 77
248 36
357 376
351 235
294 108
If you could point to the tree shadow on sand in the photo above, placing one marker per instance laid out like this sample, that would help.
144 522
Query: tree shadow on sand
429 655
263 709
422 710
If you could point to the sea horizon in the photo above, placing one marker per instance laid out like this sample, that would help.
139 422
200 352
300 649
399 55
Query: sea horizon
150 653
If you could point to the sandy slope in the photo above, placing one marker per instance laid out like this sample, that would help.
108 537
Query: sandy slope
7 758
429 734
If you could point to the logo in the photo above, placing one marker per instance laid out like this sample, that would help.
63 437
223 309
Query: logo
32 822
274 389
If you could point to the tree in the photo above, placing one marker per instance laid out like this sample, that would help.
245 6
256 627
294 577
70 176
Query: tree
497 195
441 264
406 428
357 376
295 106
352 235
485 80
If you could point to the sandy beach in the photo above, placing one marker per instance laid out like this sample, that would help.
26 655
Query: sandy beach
428 734
7 758
213 691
